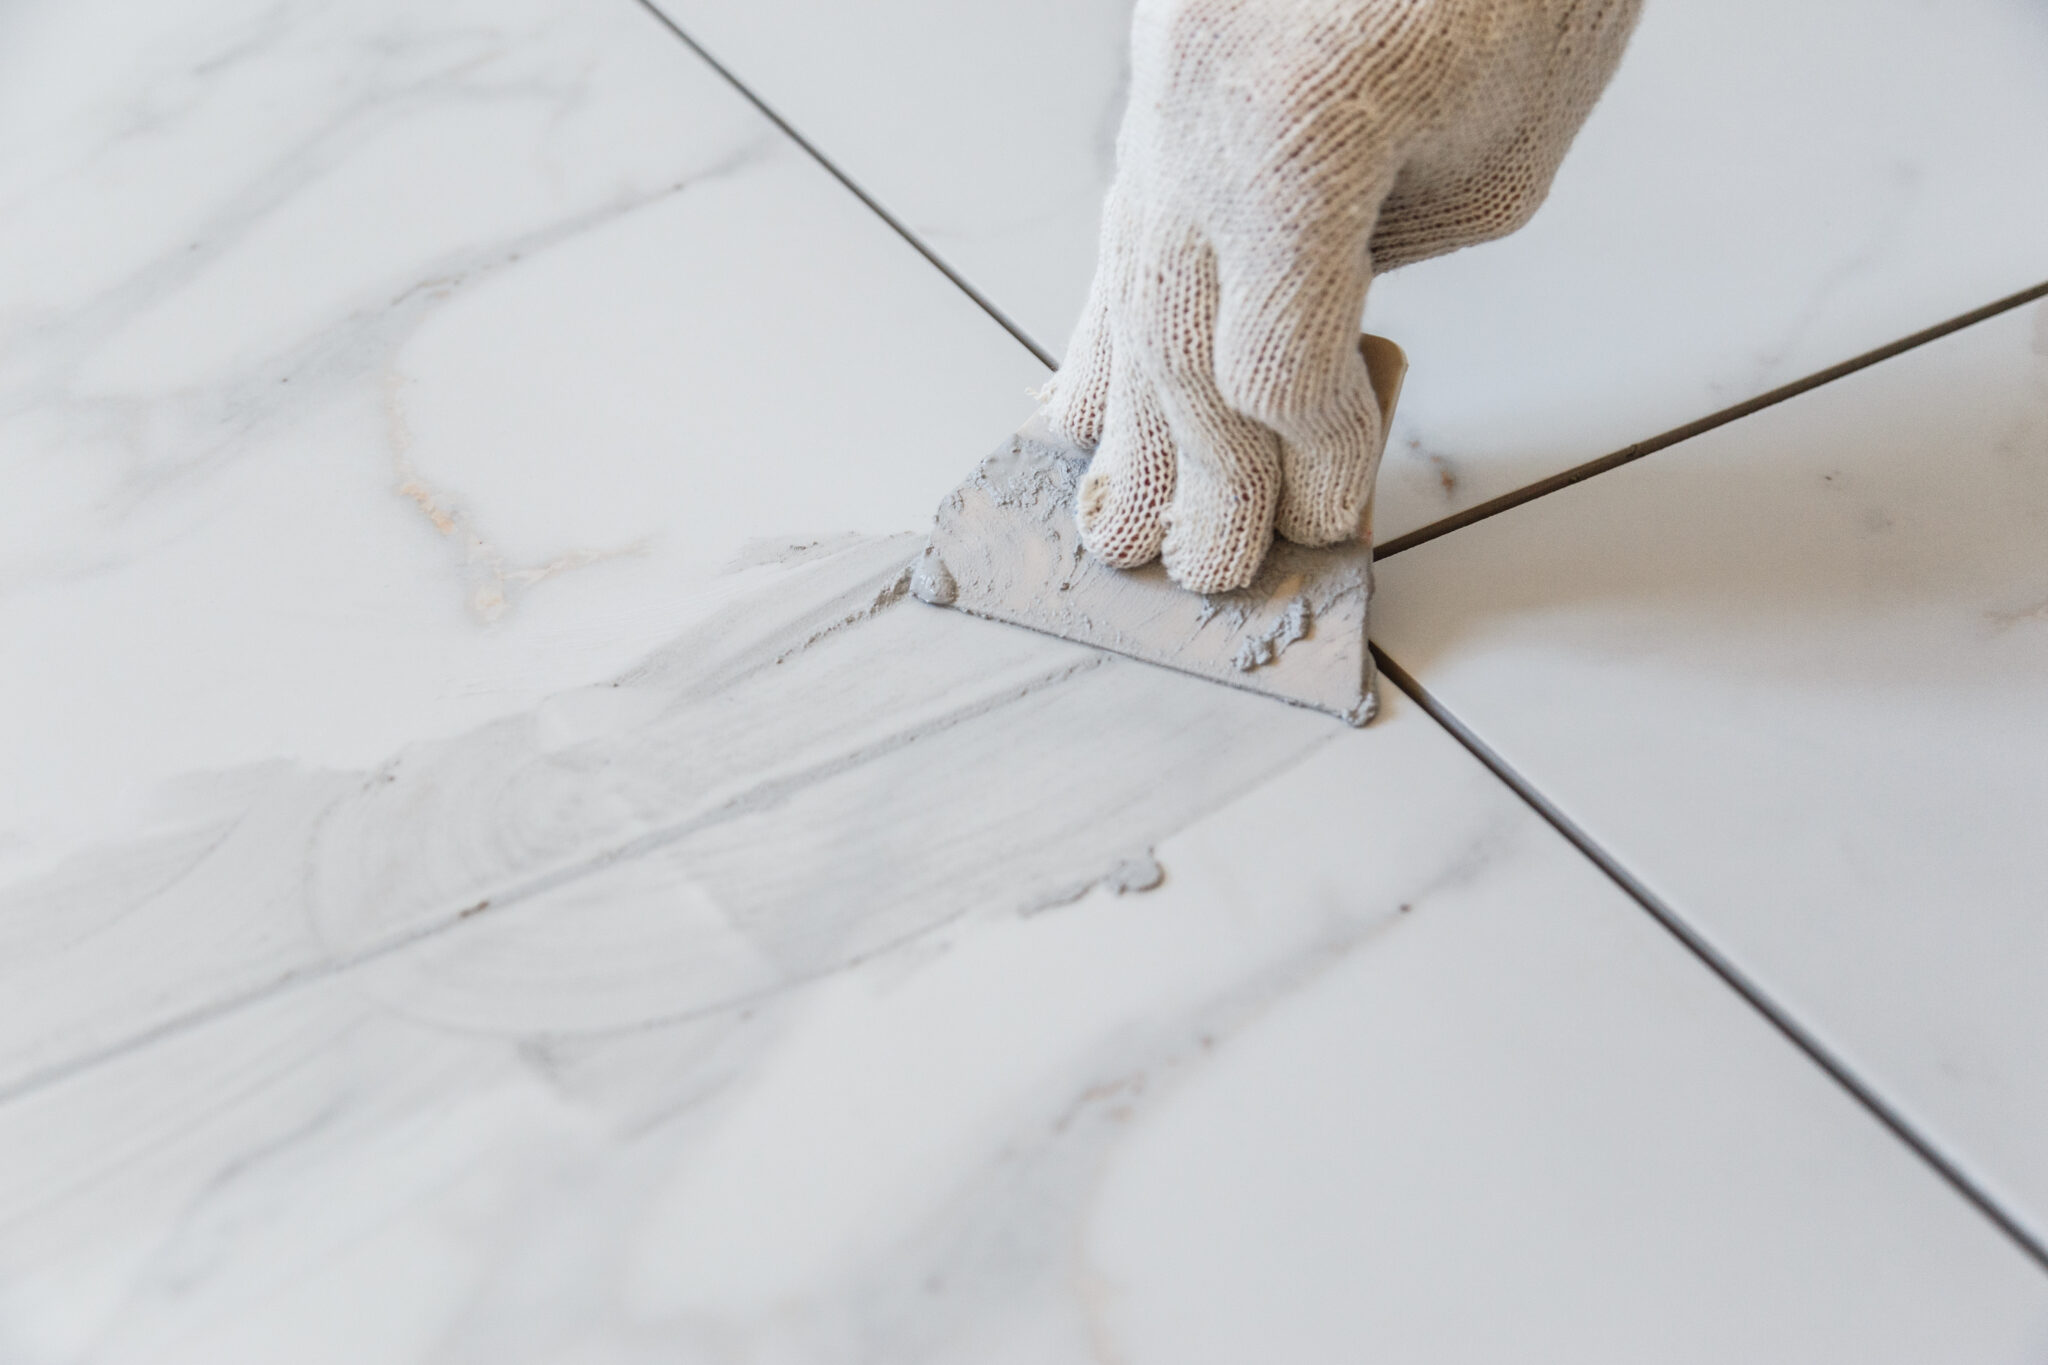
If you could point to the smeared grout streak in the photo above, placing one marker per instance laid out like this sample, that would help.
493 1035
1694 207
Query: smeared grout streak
543 972
820 773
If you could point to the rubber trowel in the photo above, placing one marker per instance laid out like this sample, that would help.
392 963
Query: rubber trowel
1004 545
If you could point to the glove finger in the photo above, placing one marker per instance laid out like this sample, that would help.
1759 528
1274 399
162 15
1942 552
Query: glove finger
1227 470
1121 504
1077 397
1220 524
1327 465
1287 357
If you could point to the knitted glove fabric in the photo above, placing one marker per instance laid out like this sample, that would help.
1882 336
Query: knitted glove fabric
1275 155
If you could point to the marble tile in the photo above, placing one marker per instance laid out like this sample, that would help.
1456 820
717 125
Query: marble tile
1380 1065
366 372
497 869
1791 674
1767 189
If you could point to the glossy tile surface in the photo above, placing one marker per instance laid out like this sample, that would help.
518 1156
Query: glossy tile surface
1792 674
366 373
1767 188
1290 1101
495 868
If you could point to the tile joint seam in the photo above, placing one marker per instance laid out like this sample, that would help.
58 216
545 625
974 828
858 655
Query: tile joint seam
1557 483
1726 971
1732 976
917 244
1492 507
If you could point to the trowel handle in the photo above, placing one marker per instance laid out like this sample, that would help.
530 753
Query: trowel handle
1386 365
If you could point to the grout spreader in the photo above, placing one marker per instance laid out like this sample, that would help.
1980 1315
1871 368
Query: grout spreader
1004 545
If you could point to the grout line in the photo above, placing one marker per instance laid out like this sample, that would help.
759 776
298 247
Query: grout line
1727 971
1731 975
981 300
1458 520
1579 473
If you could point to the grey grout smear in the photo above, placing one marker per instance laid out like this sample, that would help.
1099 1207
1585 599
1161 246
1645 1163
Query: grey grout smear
1006 545
817 772
820 773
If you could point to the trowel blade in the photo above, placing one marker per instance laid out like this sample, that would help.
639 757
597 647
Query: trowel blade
1004 545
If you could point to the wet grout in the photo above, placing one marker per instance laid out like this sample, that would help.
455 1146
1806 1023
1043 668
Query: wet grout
1779 1018
767 792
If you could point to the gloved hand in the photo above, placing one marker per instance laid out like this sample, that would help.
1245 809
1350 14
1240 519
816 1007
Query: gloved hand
1275 155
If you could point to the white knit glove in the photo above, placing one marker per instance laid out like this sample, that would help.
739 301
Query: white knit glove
1275 155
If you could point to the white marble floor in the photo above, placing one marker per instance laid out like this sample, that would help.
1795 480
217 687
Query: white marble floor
1770 187
1792 674
492 867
